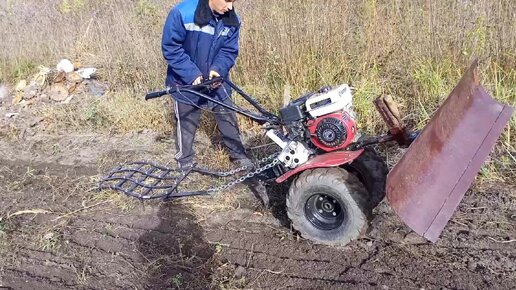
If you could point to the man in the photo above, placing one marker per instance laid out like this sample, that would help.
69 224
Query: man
200 41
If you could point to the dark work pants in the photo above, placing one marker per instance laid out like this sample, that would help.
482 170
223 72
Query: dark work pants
188 116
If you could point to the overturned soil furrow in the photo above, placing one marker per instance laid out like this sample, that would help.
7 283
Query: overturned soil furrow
285 247
187 244
51 280
267 279
254 245
81 261
130 231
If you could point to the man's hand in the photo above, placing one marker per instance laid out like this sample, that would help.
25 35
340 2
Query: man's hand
197 81
213 74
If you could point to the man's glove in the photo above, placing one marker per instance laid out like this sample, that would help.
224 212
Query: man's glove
213 74
197 81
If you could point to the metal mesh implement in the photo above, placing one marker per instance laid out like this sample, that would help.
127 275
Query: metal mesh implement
146 180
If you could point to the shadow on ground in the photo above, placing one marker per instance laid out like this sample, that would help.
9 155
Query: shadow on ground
177 255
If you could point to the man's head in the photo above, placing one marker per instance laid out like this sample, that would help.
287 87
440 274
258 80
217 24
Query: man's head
221 6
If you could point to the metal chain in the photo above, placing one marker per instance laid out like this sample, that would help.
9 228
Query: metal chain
251 174
269 158
237 170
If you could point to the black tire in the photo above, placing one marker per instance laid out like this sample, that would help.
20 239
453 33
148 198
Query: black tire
372 170
313 217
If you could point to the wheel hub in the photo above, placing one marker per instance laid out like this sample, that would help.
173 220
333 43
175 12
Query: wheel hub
324 211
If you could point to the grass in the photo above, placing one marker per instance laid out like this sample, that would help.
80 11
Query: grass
100 115
3 227
4 243
50 242
178 280
10 132
413 50
118 200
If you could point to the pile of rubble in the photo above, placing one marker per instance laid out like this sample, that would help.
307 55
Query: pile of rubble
59 84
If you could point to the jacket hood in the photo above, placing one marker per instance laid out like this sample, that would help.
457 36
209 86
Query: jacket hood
203 14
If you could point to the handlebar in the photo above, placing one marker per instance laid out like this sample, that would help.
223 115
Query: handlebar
157 94
206 85
200 89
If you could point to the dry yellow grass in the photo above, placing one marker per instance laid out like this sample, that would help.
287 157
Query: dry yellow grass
414 50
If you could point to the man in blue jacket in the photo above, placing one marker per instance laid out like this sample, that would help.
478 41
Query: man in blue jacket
200 41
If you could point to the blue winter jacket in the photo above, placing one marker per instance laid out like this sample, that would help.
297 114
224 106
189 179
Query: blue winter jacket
195 42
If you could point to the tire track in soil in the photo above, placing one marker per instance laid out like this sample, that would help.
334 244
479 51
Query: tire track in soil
162 246
267 256
159 247
104 253
73 264
31 280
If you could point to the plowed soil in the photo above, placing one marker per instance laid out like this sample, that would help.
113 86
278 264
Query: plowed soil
57 232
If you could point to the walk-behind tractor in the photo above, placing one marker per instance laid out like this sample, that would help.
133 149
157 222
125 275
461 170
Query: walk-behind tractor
336 178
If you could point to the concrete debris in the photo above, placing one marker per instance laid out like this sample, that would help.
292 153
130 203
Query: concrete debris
30 91
65 66
58 77
58 85
95 88
87 73
58 92
74 77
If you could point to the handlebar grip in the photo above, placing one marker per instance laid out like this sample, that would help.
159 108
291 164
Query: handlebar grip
199 87
204 85
154 95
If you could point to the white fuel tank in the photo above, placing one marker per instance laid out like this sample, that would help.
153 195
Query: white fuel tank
336 99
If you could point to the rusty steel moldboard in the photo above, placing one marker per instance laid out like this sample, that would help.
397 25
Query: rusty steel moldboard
428 183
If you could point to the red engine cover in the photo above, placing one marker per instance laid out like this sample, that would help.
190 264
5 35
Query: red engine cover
332 127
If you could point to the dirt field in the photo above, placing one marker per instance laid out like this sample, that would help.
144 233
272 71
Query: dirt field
57 232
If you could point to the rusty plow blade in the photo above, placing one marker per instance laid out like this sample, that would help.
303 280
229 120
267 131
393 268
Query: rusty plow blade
429 182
